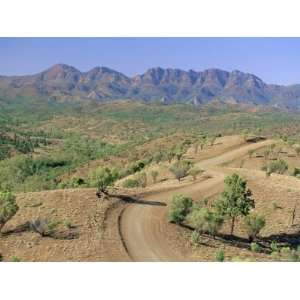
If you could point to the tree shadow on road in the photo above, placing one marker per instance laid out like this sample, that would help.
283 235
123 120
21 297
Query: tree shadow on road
131 199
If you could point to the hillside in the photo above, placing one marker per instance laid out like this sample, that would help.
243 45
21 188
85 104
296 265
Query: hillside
63 83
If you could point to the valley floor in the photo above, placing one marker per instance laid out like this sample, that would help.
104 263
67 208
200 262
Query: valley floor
133 225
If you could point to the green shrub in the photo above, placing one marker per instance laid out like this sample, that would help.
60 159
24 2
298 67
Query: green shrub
180 169
205 220
274 247
195 238
194 172
179 208
130 183
220 255
278 166
142 179
15 259
254 224
102 178
8 207
154 175
255 247
43 227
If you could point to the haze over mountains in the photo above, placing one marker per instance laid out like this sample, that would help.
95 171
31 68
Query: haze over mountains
63 82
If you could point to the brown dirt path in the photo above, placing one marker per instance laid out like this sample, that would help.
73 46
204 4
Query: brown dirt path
142 225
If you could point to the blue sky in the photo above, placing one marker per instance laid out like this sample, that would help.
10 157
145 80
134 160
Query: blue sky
275 60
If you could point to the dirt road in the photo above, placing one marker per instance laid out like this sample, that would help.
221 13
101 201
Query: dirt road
142 225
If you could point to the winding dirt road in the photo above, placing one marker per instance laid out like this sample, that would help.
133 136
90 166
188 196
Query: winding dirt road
142 225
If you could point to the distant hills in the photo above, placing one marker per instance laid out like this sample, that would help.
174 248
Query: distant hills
63 82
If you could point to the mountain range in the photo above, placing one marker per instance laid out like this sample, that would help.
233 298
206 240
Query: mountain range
62 82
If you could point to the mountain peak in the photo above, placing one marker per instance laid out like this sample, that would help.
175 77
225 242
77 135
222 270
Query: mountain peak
62 81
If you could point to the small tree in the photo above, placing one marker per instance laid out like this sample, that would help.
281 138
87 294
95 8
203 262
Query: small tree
254 224
170 155
205 220
180 169
194 172
235 200
179 153
8 207
179 208
154 175
102 178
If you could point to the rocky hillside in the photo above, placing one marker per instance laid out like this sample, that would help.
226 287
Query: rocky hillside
63 82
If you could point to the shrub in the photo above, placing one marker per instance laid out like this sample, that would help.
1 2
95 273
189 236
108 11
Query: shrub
296 172
255 247
297 149
194 172
235 200
254 224
8 207
180 169
195 238
102 178
205 220
68 223
274 246
43 227
154 175
289 254
278 166
220 255
179 208
130 183
142 179
251 153
15 259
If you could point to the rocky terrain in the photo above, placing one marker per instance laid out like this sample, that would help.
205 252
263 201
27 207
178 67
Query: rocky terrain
62 82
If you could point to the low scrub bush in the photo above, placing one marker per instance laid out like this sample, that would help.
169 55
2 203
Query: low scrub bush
130 183
181 169
220 255
180 207
278 166
254 224
8 207
255 247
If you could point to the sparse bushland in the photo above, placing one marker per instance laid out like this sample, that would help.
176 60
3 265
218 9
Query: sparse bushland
8 207
180 207
254 224
102 178
235 200
180 169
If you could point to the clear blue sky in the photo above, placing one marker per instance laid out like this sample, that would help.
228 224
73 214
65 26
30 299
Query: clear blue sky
275 60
